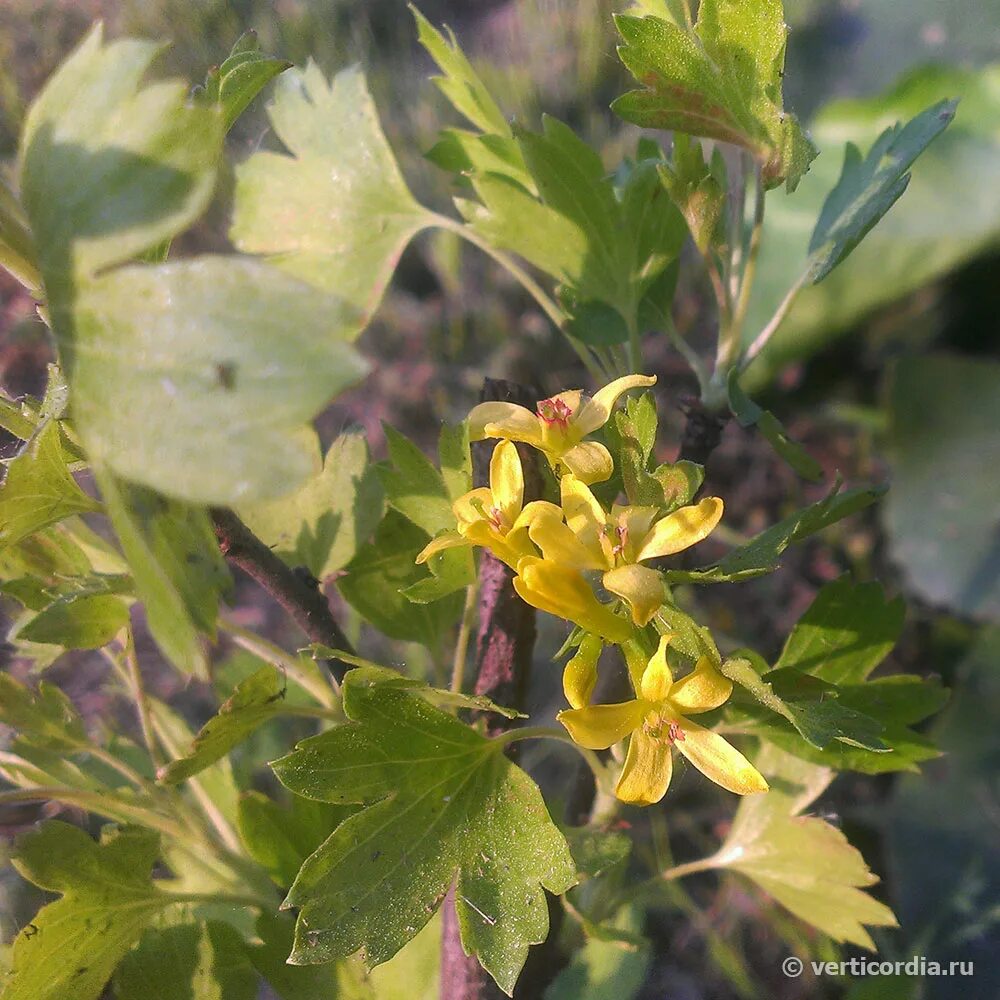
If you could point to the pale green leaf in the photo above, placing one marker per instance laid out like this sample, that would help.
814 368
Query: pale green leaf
108 170
78 621
336 212
72 945
256 700
720 79
322 524
196 377
39 490
17 250
175 562
806 864
439 800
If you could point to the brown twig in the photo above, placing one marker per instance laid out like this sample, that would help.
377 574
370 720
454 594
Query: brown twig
300 597
505 643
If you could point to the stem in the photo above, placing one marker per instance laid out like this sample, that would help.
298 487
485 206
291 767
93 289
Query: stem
545 302
305 602
107 757
464 634
686 351
551 733
224 898
325 694
750 271
141 701
689 868
634 346
776 320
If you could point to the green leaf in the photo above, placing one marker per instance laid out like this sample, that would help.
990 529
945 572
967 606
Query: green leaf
17 251
762 553
84 621
255 700
869 187
895 702
292 982
934 229
45 718
187 960
281 839
242 76
72 946
337 212
595 851
720 80
456 459
39 490
436 696
847 631
460 83
806 864
109 169
606 969
944 414
810 705
175 562
696 189
322 525
376 577
414 487
439 800
749 414
209 411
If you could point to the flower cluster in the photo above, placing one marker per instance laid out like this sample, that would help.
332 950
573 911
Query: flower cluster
559 551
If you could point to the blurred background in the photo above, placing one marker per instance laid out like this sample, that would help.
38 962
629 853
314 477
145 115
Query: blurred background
888 371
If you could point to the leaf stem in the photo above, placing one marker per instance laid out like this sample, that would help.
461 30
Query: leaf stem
551 733
545 302
750 270
134 678
776 320
223 898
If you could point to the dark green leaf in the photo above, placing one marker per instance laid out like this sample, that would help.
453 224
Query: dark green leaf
241 77
845 634
45 718
85 621
336 212
376 577
869 187
439 799
39 489
256 700
72 945
595 851
175 562
749 414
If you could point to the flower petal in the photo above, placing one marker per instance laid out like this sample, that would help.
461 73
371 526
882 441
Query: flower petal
641 587
586 517
701 690
580 674
507 481
596 411
534 511
560 545
507 548
598 727
446 540
657 678
589 461
718 760
563 591
636 659
681 529
473 506
504 420
646 775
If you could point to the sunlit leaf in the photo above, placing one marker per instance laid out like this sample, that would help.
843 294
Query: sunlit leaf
439 800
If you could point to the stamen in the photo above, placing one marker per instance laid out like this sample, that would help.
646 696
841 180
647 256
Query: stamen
554 411
674 732
622 532
496 518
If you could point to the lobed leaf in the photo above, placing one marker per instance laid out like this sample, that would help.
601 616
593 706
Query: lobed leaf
440 803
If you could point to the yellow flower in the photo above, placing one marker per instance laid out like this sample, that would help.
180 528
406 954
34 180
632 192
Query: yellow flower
494 516
615 545
656 722
559 425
